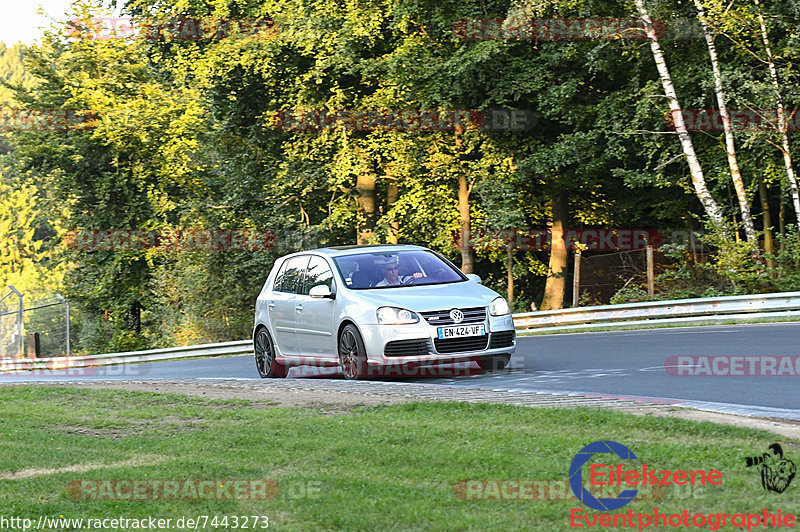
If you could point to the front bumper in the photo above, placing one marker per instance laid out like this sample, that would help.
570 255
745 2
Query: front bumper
418 343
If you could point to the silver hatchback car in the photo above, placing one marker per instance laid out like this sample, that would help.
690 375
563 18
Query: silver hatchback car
369 308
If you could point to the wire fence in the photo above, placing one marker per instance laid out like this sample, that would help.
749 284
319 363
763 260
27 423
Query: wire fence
11 330
602 276
33 329
46 325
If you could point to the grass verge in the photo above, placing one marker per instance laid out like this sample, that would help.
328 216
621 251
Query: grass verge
369 468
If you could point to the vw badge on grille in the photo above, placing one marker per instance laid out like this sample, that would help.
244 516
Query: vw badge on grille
456 315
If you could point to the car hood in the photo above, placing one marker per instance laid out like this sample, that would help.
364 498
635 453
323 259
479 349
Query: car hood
431 297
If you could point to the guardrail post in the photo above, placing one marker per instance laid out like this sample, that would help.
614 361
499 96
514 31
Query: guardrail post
510 273
34 349
576 279
19 326
66 317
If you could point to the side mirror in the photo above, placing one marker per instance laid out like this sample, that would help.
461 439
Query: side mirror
322 291
474 278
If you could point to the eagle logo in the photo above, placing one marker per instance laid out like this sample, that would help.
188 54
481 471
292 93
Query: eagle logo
776 470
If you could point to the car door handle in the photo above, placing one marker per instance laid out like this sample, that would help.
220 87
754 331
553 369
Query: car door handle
271 305
298 308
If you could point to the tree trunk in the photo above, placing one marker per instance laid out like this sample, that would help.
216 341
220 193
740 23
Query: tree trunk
787 154
391 196
692 242
732 208
730 145
769 246
782 222
135 317
698 180
467 254
510 273
556 274
365 187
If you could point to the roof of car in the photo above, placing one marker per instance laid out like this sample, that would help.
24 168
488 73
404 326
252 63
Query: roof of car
337 251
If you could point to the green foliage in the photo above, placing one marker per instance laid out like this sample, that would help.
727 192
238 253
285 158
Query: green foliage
26 262
13 75
630 294
186 138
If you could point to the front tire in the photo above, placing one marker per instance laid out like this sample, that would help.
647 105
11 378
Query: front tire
352 353
496 362
264 354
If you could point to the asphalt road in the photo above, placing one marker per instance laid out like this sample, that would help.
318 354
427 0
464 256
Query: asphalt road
615 364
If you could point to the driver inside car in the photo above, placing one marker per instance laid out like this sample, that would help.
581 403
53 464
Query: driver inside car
390 270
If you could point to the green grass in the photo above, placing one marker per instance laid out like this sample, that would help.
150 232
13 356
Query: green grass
369 468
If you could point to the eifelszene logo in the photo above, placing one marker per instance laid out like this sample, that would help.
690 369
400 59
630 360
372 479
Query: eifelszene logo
617 475
776 470
576 475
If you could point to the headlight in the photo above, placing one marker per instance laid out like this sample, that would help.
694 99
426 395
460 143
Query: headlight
499 307
396 316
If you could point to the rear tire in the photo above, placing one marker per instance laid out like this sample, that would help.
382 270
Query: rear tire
352 354
264 354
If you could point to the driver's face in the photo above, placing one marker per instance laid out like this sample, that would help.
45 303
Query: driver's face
390 273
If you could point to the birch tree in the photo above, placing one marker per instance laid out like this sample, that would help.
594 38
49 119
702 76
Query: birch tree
730 145
784 146
695 169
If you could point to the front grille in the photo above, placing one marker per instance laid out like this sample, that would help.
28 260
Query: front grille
442 317
407 348
502 339
457 345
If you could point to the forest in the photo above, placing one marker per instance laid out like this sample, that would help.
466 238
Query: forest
465 126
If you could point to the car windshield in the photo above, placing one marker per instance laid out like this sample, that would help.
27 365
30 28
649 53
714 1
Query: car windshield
395 269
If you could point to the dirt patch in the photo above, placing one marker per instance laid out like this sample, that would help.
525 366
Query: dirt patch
334 402
113 434
81 468
329 402
135 427
785 428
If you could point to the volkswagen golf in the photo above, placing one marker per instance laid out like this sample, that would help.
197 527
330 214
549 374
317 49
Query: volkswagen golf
369 308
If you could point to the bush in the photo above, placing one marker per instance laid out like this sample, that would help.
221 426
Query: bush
631 294
732 269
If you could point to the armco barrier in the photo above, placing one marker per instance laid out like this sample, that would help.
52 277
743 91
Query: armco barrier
678 312
698 311
242 347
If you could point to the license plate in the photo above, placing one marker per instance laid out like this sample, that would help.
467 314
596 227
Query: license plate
461 331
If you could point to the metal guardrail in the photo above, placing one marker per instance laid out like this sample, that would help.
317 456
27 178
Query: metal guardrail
678 312
239 347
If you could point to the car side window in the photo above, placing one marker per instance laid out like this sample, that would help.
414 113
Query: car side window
293 275
276 286
318 273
